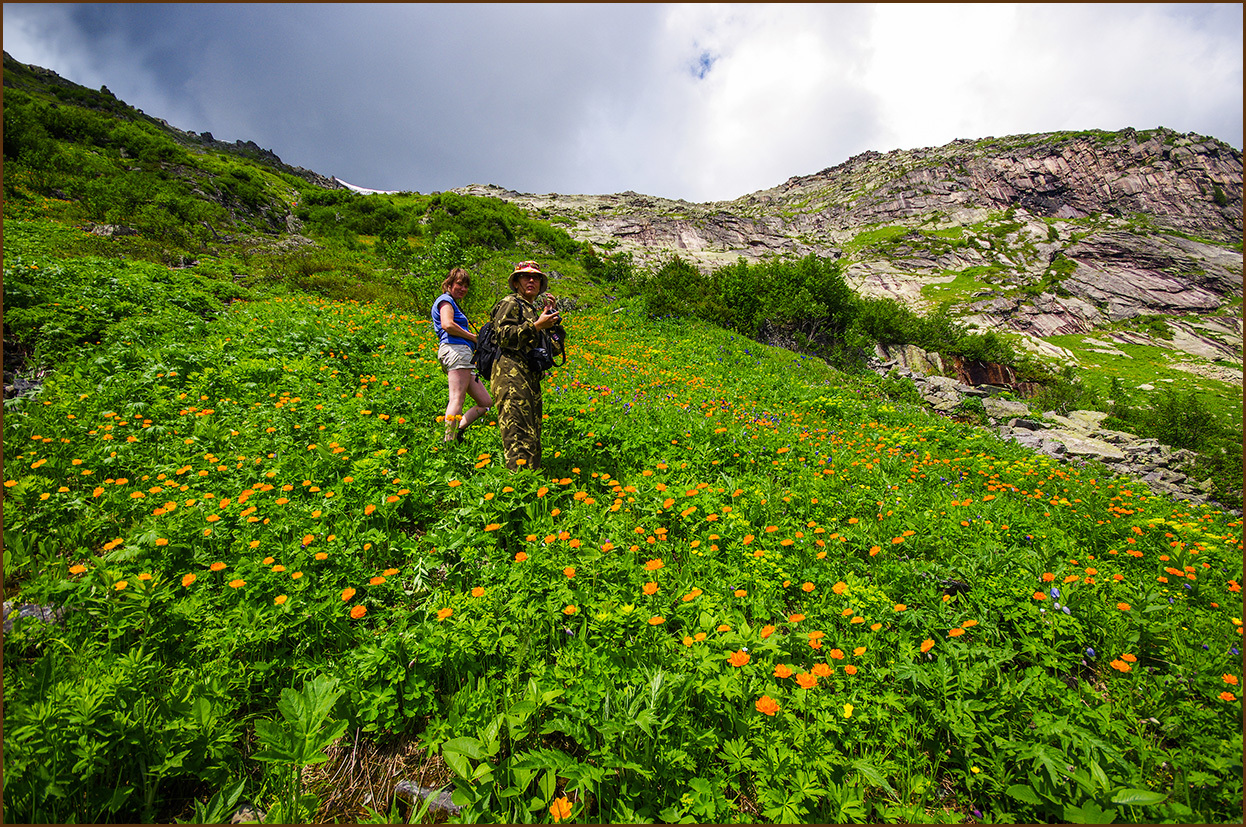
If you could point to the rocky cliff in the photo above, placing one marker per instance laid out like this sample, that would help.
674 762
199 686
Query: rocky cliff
1043 234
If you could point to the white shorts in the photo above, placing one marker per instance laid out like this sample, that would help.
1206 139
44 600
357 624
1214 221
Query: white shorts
454 357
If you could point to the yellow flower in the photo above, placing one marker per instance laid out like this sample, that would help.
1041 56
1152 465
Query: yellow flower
847 710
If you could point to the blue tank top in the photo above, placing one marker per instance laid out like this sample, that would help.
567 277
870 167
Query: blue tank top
460 319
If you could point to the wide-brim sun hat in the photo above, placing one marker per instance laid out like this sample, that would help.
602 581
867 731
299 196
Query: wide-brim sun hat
528 267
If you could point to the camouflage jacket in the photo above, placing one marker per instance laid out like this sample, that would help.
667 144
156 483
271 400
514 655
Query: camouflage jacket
514 325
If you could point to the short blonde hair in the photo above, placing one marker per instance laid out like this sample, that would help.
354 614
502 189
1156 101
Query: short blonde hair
457 276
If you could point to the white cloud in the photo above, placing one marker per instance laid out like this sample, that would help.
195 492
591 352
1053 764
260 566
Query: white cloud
699 101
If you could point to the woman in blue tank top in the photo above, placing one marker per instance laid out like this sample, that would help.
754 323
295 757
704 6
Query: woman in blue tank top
454 353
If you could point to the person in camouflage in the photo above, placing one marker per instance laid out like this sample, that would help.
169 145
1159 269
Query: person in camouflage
516 386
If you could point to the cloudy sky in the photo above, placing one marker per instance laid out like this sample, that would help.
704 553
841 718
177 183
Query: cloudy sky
701 102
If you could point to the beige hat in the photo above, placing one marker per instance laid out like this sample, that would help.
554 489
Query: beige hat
528 267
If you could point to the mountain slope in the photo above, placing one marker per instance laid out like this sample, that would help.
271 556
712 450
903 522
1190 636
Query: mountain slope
1068 231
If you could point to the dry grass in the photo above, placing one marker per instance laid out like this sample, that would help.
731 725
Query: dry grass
361 774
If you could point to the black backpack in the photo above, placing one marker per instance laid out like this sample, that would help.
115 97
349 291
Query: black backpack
551 344
486 352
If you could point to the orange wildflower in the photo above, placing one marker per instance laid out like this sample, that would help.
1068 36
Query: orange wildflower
767 705
738 659
806 680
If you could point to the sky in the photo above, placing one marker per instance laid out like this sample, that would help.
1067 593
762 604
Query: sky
701 102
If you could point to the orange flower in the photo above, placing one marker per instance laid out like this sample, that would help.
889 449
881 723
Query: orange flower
569 572
766 631
237 584
840 587
308 539
560 809
782 671
858 652
442 614
390 572
1039 596
957 632
654 565
569 609
1124 607
796 618
738 659
900 607
520 556
767 705
1227 696
322 555
1129 657
358 612
78 569
187 580
822 670
850 669
1121 666
1048 577
656 620
741 593
217 566
968 624
280 599
650 588
493 526
837 654
808 587
478 591
368 509
347 593
1230 679
874 550
806 680
927 645
121 584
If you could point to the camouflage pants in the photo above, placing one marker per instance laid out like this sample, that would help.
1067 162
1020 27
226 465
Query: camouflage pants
517 393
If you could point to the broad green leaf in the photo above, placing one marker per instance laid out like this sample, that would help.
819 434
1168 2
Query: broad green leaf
1024 792
1143 798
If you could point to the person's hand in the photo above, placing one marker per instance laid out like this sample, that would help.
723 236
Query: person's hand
548 319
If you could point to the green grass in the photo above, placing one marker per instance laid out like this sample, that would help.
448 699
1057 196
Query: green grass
503 620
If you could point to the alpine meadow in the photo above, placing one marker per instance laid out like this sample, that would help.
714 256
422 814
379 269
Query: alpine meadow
761 576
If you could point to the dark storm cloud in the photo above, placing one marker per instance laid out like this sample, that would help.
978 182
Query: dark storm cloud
694 101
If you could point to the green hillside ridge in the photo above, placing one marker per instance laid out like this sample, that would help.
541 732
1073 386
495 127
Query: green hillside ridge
749 585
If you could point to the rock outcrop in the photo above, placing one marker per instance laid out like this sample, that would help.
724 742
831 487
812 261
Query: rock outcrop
1077 437
1068 231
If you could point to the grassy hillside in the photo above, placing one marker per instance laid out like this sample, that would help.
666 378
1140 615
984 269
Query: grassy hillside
742 588
747 586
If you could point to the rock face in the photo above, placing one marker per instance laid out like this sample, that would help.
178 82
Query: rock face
1068 231
1077 437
